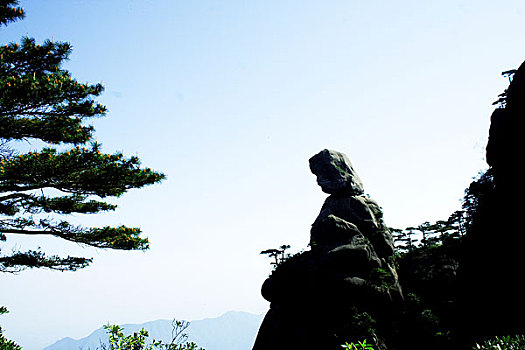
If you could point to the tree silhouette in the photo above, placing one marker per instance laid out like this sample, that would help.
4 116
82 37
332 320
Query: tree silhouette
425 229
278 254
402 240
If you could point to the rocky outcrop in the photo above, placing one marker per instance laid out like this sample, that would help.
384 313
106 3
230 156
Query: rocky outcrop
335 173
345 288
491 291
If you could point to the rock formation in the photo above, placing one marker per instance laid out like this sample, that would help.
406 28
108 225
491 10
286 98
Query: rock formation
491 290
345 288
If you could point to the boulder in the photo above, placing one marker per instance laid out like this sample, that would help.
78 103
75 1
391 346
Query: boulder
329 229
335 173
366 215
355 258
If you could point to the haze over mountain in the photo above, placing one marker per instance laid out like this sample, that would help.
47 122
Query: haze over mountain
233 330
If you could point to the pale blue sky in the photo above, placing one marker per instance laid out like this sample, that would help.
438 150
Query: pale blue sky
230 99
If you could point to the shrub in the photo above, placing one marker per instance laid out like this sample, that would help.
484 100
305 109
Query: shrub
358 346
503 343
137 340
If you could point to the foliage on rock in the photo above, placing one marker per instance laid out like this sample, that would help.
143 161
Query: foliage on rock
360 345
507 342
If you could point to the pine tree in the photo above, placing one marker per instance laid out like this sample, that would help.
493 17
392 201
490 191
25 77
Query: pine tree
412 242
40 101
401 240
425 229
456 224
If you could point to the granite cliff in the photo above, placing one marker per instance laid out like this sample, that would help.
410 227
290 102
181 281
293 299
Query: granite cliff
491 291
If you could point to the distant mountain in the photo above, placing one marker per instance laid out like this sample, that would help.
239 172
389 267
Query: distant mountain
232 331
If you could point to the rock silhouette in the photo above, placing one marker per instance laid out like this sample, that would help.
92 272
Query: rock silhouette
491 289
345 288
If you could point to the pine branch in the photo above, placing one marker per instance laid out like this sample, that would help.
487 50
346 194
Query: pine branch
120 238
9 13
80 171
31 259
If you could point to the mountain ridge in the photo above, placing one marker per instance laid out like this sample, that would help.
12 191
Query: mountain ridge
233 330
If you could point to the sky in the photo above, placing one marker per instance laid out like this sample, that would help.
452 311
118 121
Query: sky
230 99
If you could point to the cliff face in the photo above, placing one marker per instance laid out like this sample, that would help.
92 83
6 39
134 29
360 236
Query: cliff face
491 294
346 287
505 146
474 285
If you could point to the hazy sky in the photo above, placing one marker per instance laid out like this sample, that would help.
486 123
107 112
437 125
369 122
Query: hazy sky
230 99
